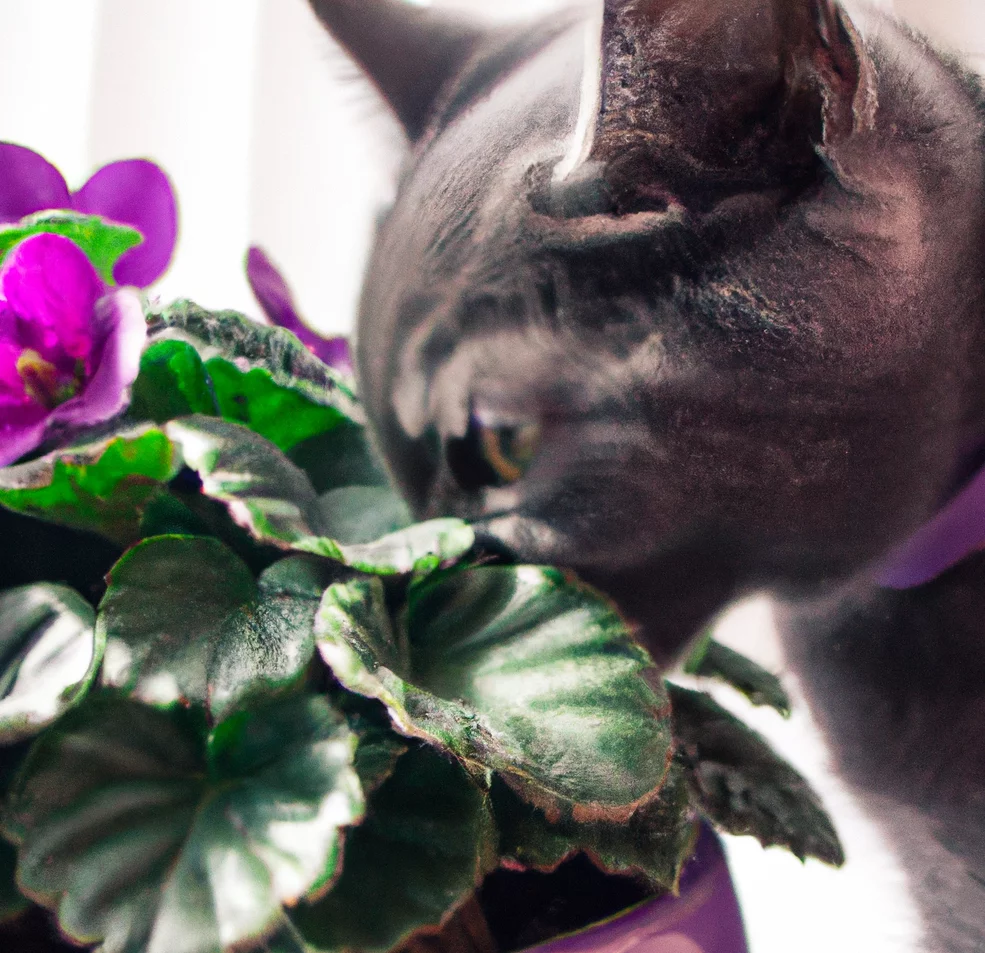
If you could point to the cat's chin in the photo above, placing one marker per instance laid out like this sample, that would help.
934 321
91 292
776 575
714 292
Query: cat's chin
529 539
667 596
671 591
525 539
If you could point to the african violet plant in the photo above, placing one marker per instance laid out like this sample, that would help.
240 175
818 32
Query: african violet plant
270 712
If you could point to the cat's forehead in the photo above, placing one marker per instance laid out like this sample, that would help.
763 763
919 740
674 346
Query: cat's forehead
454 236
513 360
501 223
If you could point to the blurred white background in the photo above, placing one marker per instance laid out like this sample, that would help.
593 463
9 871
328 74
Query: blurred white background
267 132
270 137
265 129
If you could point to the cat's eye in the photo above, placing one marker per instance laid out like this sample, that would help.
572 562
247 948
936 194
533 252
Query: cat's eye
492 453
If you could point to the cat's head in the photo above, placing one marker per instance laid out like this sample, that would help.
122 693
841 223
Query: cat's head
682 294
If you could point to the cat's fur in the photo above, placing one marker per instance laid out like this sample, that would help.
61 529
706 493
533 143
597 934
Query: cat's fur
748 322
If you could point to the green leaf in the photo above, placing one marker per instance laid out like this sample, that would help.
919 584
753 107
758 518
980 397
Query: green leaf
653 844
49 656
512 669
379 746
146 834
714 660
262 377
361 514
36 551
283 416
103 242
420 548
166 515
287 939
172 383
11 759
302 577
12 901
102 486
342 458
425 845
273 500
263 491
743 786
184 622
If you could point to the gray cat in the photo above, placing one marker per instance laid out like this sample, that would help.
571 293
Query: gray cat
702 321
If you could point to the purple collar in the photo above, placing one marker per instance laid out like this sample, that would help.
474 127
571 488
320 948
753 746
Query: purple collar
957 531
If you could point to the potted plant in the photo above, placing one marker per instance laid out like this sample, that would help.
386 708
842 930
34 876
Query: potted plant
246 703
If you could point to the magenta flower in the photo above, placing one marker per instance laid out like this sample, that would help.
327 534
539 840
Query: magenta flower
69 347
134 192
277 302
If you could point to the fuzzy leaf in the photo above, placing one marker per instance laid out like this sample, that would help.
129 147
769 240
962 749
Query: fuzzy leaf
420 548
362 514
147 834
104 242
379 746
172 383
273 500
262 377
11 759
342 458
263 491
102 486
12 901
49 656
283 416
743 786
184 621
714 660
287 939
166 515
516 670
425 845
654 843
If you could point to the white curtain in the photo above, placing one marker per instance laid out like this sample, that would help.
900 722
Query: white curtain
241 102
269 137
264 127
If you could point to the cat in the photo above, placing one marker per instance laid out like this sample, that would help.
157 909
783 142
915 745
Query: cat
687 296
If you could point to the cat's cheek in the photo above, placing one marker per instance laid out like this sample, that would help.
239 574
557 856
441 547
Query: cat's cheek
574 531
527 540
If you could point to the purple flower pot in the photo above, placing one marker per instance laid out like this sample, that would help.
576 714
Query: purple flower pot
705 917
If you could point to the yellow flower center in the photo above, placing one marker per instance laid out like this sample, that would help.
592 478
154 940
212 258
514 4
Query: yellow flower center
41 381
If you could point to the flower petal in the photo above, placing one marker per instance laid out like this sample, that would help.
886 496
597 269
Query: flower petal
20 437
10 378
106 394
335 352
28 183
52 288
137 193
273 294
275 299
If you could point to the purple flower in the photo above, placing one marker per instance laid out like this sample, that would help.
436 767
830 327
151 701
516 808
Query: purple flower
135 193
69 348
278 305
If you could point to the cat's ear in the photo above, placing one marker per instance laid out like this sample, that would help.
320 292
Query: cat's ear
825 45
759 41
410 52
733 86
